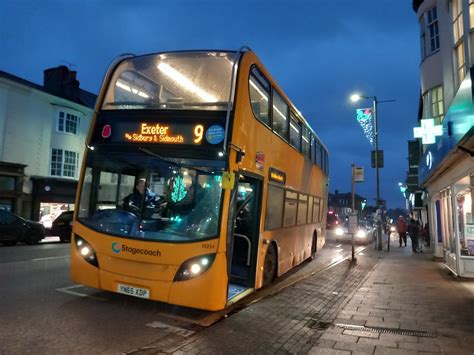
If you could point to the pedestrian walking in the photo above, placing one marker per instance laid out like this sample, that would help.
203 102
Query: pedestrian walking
401 227
414 231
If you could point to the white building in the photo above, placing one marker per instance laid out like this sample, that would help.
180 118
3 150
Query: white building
42 137
446 167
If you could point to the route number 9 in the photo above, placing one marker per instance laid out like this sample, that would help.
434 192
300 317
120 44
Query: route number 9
198 133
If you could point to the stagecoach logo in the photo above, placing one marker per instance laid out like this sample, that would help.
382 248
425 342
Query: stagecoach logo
117 248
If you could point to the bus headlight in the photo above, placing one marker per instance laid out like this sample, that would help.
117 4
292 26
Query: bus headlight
194 267
86 251
361 234
339 231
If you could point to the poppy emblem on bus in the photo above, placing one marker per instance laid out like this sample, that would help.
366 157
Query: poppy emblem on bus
116 247
106 131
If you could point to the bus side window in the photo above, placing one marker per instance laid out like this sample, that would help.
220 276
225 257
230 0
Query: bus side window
295 133
291 204
280 116
302 209
259 89
275 203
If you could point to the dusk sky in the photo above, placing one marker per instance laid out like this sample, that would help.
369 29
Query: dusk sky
318 51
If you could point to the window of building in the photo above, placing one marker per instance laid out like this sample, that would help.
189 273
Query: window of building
302 209
433 104
280 116
429 33
259 94
458 30
295 133
275 203
437 104
64 163
68 123
460 64
7 183
291 204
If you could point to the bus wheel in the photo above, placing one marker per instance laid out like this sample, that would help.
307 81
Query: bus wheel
270 266
314 245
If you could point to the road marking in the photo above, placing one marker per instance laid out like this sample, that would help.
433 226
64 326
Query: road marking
68 290
52 257
169 328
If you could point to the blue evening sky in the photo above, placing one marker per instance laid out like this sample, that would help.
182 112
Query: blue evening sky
318 51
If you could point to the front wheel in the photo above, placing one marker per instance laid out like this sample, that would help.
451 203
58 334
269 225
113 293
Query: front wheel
33 239
270 265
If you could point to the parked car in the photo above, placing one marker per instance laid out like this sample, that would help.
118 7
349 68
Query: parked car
332 220
62 226
14 229
365 233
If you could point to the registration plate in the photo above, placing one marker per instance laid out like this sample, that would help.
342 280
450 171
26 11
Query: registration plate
133 291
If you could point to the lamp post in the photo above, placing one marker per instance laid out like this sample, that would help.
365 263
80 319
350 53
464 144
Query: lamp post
355 98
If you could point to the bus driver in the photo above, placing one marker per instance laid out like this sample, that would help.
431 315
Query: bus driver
141 197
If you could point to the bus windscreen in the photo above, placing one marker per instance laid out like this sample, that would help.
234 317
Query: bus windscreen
144 197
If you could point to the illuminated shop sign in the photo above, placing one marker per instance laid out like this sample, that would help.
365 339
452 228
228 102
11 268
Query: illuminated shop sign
277 176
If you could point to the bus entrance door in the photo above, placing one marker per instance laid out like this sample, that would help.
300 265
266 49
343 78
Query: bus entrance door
245 237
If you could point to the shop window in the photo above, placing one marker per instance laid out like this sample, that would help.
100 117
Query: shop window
465 225
274 212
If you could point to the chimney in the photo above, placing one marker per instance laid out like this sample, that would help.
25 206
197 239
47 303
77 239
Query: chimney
62 82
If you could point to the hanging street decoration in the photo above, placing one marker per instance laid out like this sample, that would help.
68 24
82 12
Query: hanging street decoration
428 131
366 121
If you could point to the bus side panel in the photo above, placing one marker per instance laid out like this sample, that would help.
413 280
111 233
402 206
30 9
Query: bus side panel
207 291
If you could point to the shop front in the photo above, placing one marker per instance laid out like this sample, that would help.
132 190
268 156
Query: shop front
11 180
51 197
446 172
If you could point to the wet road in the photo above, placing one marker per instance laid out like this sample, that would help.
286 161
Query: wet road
43 312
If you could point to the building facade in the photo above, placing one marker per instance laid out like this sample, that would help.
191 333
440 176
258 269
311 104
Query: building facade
446 166
42 137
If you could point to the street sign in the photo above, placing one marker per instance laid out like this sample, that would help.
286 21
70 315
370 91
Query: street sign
358 174
379 158
353 222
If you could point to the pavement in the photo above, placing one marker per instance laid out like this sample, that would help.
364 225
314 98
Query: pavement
388 303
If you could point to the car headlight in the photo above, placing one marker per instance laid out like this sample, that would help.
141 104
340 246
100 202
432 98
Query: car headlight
393 229
361 234
86 251
194 267
339 231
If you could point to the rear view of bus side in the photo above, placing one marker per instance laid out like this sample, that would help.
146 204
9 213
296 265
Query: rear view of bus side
201 181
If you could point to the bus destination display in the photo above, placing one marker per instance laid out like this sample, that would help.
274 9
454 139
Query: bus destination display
163 133
168 134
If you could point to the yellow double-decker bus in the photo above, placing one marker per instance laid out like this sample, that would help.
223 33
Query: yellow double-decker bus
201 181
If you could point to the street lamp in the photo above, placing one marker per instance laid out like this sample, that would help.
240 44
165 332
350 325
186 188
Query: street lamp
354 98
